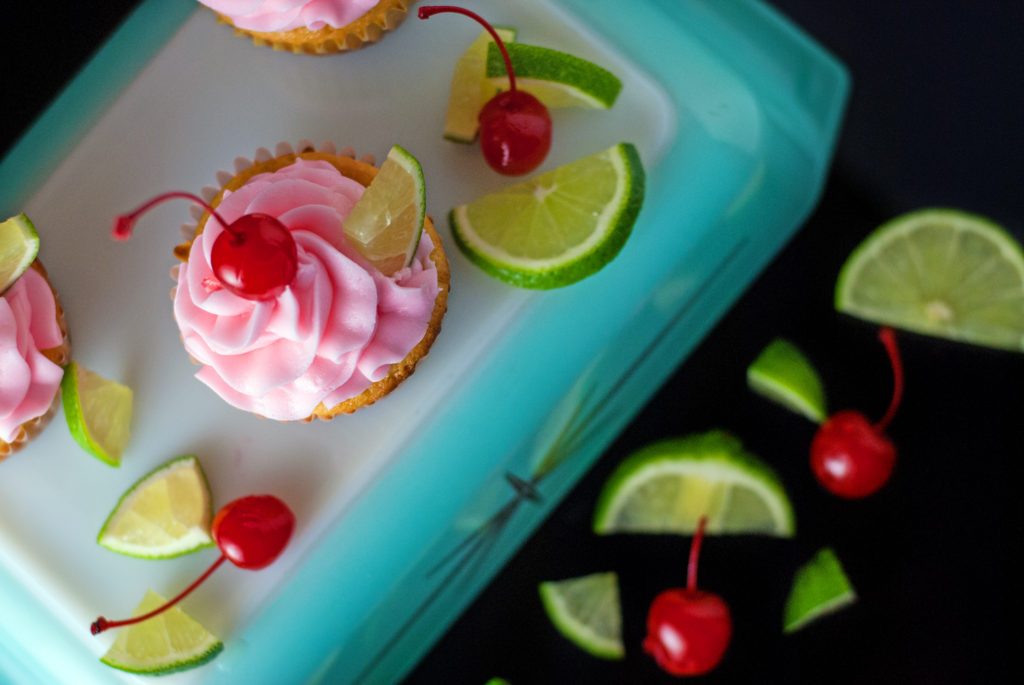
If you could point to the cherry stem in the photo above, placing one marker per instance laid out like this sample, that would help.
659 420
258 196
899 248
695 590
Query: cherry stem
691 567
430 10
888 337
124 223
101 624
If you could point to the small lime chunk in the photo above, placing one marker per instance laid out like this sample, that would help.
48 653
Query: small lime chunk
19 246
669 485
820 587
98 412
167 643
556 78
783 374
470 90
587 611
166 513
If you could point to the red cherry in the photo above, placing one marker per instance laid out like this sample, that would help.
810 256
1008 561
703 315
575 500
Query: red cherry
515 127
251 533
850 457
255 257
688 630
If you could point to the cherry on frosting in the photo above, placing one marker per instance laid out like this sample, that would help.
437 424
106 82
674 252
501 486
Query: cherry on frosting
515 127
251 532
255 257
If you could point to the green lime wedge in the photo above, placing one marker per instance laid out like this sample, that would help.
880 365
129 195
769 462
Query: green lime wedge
558 227
587 611
669 485
19 246
98 412
386 222
783 374
556 78
167 643
940 272
820 587
470 90
165 514
497 681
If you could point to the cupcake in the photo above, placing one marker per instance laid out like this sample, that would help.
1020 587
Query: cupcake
34 348
341 335
314 27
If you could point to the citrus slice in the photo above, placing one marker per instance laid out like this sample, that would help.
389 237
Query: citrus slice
667 486
558 227
587 611
386 222
470 90
783 374
940 272
19 245
820 587
556 78
166 513
98 412
167 643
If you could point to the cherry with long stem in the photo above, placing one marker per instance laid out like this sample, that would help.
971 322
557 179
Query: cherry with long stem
515 127
255 257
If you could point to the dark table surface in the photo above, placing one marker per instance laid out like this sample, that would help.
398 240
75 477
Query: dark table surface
934 119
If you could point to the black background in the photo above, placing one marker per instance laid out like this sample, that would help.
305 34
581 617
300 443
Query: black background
934 118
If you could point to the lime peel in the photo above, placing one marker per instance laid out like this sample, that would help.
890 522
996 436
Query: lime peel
98 412
556 78
820 587
784 375
587 611
19 246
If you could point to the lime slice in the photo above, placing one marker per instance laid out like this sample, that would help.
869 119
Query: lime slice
556 78
386 222
783 374
667 486
169 642
587 611
166 513
940 272
820 587
19 245
98 412
470 89
556 228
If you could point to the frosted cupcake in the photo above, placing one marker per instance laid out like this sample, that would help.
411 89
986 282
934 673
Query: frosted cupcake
314 27
34 348
341 334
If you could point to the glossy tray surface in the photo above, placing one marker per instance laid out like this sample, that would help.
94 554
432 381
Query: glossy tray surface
734 114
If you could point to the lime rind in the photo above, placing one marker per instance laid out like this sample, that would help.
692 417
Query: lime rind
941 272
198 537
744 484
19 247
470 90
93 407
614 225
587 611
556 78
783 374
820 587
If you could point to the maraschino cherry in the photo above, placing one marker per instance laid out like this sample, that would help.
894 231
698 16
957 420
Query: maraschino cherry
688 629
255 257
851 457
251 533
515 127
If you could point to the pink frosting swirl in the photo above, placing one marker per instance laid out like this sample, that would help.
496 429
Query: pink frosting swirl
335 330
285 15
28 380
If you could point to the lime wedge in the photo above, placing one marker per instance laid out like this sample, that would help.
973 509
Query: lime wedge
169 642
940 272
783 374
166 513
556 78
386 223
820 587
19 245
587 611
667 486
558 227
470 90
98 412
